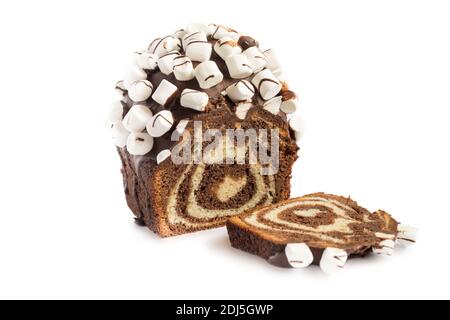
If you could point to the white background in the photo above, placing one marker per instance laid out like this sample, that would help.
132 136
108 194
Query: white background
374 80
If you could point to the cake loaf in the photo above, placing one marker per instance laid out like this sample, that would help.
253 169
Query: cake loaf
317 229
221 79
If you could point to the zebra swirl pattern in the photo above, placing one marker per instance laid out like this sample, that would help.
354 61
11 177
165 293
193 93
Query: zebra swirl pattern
323 221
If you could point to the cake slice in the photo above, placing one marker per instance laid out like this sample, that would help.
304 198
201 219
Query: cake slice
317 229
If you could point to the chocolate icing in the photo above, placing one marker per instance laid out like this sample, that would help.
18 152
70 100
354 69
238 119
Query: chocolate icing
247 42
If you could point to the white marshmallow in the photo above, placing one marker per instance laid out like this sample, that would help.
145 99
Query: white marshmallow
162 46
160 124
139 143
180 33
163 155
194 99
140 90
234 35
137 118
208 74
165 92
242 109
199 51
183 68
227 47
194 36
198 27
133 75
115 112
407 235
267 84
299 255
119 134
219 32
120 88
333 260
273 105
256 58
145 60
165 63
385 248
241 91
289 104
272 62
239 66
297 125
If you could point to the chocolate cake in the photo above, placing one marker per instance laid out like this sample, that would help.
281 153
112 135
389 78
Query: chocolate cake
204 80
317 229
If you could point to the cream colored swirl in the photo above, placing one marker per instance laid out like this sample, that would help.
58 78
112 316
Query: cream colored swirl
197 211
310 208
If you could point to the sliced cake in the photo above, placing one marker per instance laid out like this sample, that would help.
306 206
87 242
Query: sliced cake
319 229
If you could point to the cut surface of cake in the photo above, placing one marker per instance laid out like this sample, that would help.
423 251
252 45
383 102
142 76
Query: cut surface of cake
317 229
205 80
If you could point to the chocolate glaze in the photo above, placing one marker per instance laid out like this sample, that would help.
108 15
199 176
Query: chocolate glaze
247 42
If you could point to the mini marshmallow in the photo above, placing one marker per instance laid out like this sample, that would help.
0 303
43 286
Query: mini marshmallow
208 74
272 61
239 66
289 104
256 58
139 144
333 260
120 88
385 248
160 124
199 51
195 36
267 84
180 34
407 235
115 112
219 32
140 90
299 255
273 105
165 63
165 93
137 118
163 155
227 47
242 109
145 60
162 46
183 68
133 75
198 27
194 99
241 91
119 134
